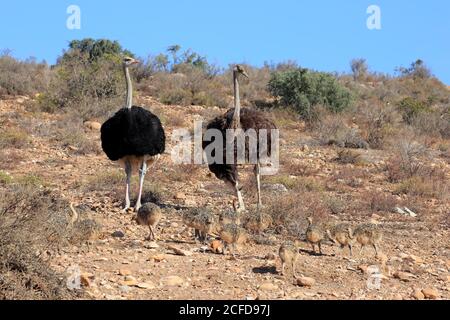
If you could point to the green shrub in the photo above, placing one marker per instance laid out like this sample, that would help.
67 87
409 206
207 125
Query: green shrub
304 89
411 108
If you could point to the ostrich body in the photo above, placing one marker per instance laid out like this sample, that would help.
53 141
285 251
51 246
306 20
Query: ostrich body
240 120
134 137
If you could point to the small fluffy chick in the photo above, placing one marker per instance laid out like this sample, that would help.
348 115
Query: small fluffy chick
202 220
232 235
288 253
368 234
149 215
258 223
229 216
341 234
314 235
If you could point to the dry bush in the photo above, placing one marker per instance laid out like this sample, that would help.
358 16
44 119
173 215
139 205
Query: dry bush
333 130
349 157
424 187
22 77
108 180
381 202
353 177
289 211
32 221
376 120
336 205
5 178
10 159
298 184
14 138
408 160
300 168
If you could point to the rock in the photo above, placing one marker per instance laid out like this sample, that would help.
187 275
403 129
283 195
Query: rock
180 252
400 211
444 278
157 258
418 295
146 285
278 187
448 264
130 281
92 125
268 286
124 289
151 245
180 196
118 234
306 282
430 293
410 213
415 259
403 276
363 268
398 297
305 148
271 256
124 272
173 281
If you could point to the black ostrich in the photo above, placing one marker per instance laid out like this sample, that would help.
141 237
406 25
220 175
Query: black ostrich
133 136
236 119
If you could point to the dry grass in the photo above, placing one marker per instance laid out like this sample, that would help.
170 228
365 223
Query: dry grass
32 222
14 138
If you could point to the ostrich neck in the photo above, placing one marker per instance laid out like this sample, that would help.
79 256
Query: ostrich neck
129 101
237 102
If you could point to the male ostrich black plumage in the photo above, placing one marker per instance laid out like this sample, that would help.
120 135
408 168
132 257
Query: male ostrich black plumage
133 136
244 119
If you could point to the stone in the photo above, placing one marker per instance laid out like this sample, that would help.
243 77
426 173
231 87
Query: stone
118 234
430 293
151 245
306 282
146 285
130 281
403 276
92 125
173 281
124 289
157 258
180 252
418 295
268 286
410 213
124 272
278 187
180 196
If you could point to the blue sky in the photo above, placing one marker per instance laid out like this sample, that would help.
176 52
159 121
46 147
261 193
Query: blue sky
322 34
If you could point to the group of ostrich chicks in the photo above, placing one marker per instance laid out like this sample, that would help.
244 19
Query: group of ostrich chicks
228 228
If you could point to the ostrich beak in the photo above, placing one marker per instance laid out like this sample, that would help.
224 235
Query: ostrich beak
245 74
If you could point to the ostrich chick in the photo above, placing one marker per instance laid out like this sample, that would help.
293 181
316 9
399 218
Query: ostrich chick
288 253
149 215
232 234
341 235
202 220
258 223
368 234
314 235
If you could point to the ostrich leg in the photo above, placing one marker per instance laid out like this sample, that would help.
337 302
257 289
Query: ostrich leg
240 198
128 171
258 183
142 173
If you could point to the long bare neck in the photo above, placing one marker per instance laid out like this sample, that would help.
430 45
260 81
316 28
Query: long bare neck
129 101
237 102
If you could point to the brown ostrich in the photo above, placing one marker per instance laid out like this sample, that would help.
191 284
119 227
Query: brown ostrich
240 120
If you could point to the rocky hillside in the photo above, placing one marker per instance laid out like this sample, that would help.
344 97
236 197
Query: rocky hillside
334 184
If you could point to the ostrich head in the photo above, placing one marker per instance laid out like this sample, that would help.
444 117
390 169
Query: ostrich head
240 70
128 61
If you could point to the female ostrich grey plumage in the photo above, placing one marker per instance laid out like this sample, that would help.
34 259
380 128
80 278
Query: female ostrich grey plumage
133 136
237 119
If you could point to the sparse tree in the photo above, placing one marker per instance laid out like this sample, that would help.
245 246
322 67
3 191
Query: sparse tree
359 68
